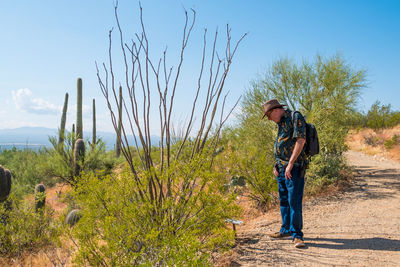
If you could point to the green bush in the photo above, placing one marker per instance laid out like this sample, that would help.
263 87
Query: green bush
326 169
97 159
390 143
21 228
121 226
28 168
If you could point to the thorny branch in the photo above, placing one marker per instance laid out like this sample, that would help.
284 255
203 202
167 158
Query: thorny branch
141 74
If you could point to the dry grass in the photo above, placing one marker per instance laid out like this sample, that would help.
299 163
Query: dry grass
357 141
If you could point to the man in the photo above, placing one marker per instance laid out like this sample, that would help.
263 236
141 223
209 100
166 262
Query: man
289 169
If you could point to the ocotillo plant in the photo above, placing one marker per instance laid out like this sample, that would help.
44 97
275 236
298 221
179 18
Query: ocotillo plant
40 197
5 183
118 143
79 156
61 133
94 125
79 124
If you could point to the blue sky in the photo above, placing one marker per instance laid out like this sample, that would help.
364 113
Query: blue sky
46 45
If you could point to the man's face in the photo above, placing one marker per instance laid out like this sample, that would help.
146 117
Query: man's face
273 115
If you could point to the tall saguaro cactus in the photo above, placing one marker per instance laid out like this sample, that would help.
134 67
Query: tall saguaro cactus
79 155
61 134
118 143
94 124
79 124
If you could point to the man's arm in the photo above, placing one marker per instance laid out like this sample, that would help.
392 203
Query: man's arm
298 147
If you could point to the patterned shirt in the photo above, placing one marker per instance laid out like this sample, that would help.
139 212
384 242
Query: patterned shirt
288 132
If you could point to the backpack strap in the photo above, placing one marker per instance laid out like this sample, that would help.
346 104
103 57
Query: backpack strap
292 114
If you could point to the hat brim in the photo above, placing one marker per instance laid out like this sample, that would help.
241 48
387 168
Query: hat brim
265 114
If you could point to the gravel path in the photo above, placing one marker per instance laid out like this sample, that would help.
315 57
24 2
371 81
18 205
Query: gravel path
360 227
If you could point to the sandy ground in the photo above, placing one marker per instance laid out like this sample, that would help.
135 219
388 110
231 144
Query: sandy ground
359 227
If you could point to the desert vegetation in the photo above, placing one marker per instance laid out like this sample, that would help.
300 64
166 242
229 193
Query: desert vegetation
167 203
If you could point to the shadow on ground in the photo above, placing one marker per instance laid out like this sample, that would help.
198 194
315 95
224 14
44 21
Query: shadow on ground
375 243
387 178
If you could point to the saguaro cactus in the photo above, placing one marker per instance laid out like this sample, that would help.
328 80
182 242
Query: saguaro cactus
61 133
5 183
73 217
73 137
79 124
79 155
94 124
40 197
118 142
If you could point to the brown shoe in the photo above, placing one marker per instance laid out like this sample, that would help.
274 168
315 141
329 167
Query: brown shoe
298 243
278 235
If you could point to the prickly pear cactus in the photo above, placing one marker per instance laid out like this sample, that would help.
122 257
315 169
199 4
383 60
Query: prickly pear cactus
40 197
73 217
5 183
79 155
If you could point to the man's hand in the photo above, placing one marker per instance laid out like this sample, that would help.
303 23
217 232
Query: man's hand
276 173
288 170
298 147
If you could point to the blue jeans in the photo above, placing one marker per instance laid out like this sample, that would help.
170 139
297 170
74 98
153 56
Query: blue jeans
290 198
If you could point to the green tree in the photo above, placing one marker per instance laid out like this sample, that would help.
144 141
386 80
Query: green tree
379 115
326 91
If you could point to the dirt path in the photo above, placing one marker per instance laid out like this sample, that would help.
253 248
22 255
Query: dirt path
360 227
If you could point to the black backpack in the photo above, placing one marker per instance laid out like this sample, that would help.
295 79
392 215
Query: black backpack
311 147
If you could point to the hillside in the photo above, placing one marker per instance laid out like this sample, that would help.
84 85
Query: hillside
384 143
36 137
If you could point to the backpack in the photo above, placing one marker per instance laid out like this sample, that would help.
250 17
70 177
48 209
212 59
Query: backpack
311 147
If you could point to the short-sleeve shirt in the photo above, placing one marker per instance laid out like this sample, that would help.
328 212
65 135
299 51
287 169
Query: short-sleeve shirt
288 132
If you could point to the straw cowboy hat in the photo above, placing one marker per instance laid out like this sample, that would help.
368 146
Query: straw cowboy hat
270 105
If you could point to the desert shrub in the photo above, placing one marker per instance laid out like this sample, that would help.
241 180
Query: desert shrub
260 178
28 168
372 140
381 116
96 159
390 143
122 227
22 228
326 169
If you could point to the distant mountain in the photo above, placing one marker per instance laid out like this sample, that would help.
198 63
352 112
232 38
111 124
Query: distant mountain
35 137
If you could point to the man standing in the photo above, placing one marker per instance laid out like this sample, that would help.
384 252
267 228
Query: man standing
290 168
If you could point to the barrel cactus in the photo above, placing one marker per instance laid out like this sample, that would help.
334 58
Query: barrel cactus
79 155
5 183
40 197
73 217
